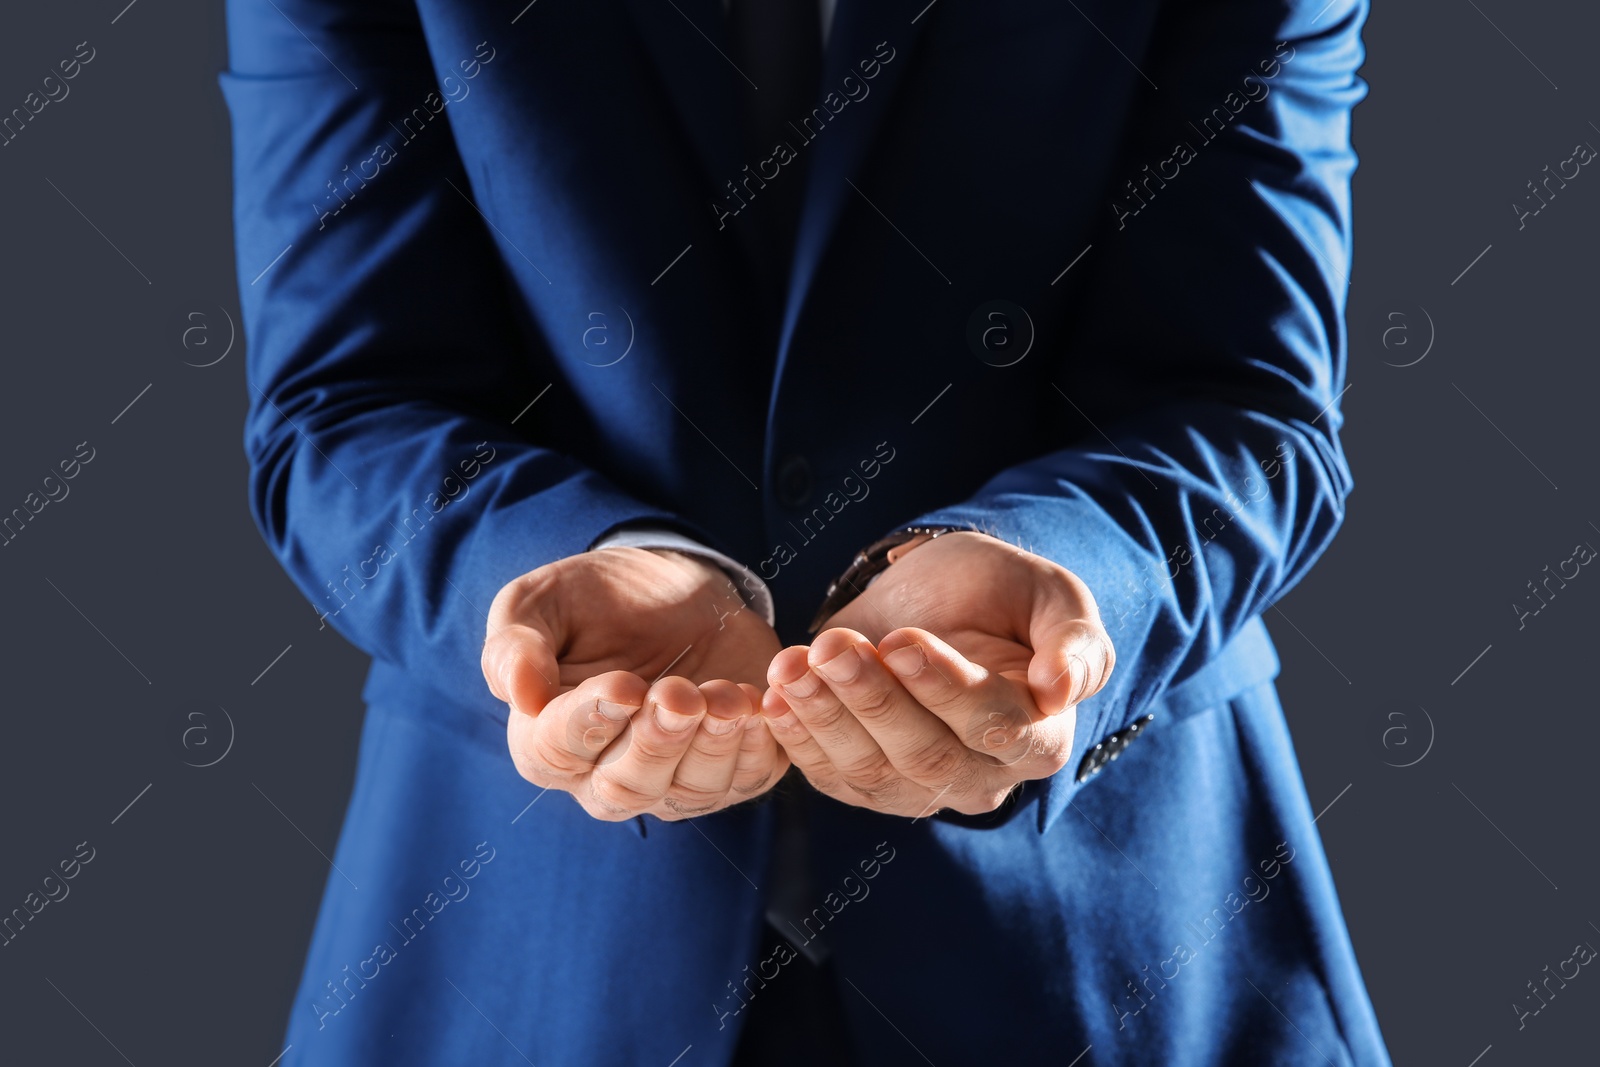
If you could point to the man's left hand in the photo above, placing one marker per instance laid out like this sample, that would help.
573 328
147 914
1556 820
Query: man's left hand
953 679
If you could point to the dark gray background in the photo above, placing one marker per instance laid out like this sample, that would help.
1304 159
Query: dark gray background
144 604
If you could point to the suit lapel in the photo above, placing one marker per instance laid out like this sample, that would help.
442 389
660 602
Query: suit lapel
684 38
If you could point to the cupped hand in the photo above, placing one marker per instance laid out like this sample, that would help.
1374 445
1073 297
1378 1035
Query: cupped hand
634 679
951 680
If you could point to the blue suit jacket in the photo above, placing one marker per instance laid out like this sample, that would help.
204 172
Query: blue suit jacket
499 303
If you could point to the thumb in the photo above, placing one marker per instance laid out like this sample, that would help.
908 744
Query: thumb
519 652
519 663
1072 653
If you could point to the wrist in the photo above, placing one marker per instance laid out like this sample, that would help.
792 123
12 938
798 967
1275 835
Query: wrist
714 573
873 561
749 589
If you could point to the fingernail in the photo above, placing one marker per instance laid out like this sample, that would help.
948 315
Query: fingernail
674 721
906 661
615 712
505 679
842 668
787 721
802 687
1081 682
721 727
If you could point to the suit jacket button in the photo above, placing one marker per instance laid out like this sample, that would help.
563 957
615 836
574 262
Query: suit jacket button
794 482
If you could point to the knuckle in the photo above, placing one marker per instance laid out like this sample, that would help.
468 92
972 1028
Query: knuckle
558 761
939 762
618 797
983 801
528 764
822 781
823 717
998 731
690 801
875 780
968 787
699 788
652 750
585 734
1081 632
502 606
1044 755
935 691
513 598
873 703
864 766
884 797
603 814
752 786
835 736
534 773
1052 757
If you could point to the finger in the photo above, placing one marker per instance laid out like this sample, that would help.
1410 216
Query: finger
1072 653
917 743
519 663
705 773
852 750
564 740
799 746
635 771
762 761
585 721
990 713
862 614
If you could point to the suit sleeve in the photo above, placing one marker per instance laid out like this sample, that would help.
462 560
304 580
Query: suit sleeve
1201 473
396 409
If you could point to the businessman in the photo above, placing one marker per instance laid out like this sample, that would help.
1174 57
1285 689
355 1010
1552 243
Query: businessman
809 476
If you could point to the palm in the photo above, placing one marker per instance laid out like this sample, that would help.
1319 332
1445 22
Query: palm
967 594
632 676
645 613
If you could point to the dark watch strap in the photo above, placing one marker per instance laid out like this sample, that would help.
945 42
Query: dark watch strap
868 564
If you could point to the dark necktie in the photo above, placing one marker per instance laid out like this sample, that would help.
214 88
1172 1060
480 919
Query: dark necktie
778 45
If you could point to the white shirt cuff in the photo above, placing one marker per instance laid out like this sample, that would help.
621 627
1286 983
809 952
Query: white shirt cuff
751 588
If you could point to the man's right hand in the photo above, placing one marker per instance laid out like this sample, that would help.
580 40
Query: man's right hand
580 650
